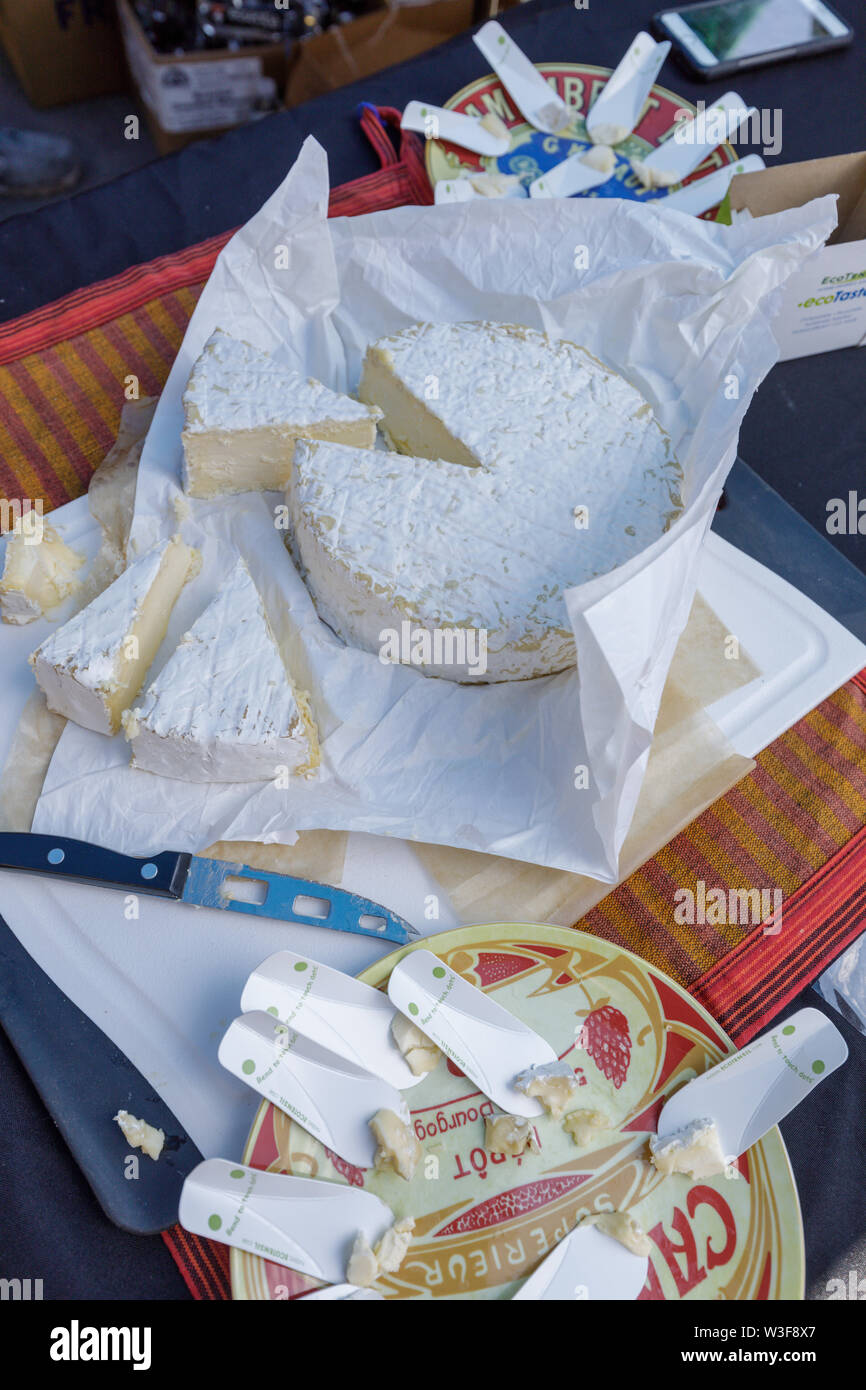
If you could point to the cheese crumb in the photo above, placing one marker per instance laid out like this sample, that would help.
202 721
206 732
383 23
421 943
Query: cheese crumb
695 1150
553 1084
622 1227
420 1052
391 1250
608 134
363 1267
651 177
497 185
509 1134
494 125
398 1146
600 157
585 1125
140 1134
552 115
39 571
366 1263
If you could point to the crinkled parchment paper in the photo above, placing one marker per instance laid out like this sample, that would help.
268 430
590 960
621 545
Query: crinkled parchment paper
680 306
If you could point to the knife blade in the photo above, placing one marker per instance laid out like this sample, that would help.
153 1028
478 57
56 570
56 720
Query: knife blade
191 879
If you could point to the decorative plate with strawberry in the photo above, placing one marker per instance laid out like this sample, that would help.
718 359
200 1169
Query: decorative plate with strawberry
483 1221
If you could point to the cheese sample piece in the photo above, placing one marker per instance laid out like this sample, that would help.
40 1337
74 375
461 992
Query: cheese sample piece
605 134
363 1267
600 157
553 1083
509 1134
650 177
694 1150
223 709
622 1227
391 1250
420 1052
92 668
366 1263
584 1126
497 185
38 573
495 125
398 1146
530 467
243 413
140 1134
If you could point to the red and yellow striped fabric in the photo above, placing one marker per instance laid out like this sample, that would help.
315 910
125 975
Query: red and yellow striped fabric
796 824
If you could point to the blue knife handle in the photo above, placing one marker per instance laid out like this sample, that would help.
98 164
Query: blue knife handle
54 856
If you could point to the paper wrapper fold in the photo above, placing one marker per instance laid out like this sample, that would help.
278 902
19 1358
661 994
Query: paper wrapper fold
691 765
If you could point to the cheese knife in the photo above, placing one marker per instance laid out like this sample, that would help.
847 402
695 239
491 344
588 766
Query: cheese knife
307 1224
529 91
438 123
748 1093
191 879
486 1041
331 1009
709 191
331 1098
618 107
587 1264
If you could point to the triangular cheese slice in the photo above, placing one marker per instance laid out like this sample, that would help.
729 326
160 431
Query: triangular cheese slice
92 667
223 709
244 411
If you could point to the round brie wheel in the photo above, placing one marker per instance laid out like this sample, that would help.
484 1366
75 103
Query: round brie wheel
522 466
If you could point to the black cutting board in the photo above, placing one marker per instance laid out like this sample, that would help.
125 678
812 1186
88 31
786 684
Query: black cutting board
84 1080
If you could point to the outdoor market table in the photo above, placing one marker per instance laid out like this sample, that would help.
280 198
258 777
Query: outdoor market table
804 435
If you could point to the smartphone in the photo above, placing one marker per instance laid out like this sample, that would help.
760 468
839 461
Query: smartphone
718 37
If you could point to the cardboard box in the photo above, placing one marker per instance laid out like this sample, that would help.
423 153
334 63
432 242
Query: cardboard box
63 50
324 62
824 305
193 95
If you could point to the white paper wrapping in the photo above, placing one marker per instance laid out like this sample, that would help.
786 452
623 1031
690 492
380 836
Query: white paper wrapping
679 306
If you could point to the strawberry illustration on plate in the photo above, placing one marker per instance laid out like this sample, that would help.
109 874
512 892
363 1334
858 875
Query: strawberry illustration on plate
605 1037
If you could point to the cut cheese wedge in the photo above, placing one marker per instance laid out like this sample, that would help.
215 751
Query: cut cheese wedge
525 467
223 708
243 413
39 573
93 667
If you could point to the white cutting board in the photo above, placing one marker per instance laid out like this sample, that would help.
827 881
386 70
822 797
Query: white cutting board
169 1022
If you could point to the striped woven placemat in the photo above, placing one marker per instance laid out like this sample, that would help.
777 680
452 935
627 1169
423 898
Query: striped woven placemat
795 826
